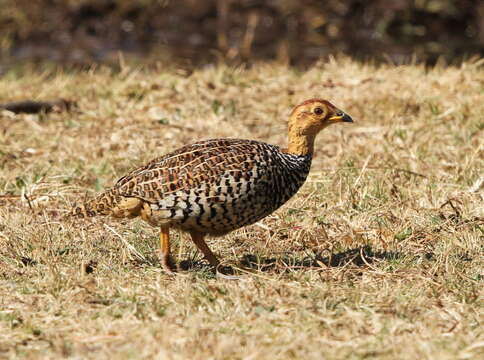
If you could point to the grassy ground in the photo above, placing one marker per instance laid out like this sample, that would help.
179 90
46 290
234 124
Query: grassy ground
379 255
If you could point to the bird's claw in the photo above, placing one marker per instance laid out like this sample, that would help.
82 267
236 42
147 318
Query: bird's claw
225 272
167 263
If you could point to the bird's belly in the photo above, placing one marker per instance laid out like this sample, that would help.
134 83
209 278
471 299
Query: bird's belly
223 217
216 212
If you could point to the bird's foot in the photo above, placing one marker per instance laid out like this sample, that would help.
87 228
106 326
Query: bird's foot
226 273
167 263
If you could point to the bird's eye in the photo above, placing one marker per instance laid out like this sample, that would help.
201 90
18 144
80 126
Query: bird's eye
318 111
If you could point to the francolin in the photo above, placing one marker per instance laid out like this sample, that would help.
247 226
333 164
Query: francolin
212 187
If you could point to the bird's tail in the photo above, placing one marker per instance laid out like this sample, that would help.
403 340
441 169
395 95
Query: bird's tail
102 204
109 203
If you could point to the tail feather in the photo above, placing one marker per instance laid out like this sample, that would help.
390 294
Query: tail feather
109 203
100 205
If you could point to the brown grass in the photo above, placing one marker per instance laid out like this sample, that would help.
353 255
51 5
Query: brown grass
378 256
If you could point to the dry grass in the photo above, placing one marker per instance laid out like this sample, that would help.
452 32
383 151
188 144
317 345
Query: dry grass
378 256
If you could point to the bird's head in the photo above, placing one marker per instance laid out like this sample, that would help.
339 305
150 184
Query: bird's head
308 119
311 116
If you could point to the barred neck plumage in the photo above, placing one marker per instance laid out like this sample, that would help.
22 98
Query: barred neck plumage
296 164
289 175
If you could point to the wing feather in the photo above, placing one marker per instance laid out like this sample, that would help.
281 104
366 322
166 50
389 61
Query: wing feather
191 167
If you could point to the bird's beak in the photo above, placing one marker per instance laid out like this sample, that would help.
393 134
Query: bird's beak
341 117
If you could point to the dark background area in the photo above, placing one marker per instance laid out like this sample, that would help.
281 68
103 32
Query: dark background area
198 32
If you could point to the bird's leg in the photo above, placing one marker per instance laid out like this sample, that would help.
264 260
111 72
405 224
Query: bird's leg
165 257
203 247
222 272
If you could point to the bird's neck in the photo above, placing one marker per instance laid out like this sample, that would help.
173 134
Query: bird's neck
300 141
299 144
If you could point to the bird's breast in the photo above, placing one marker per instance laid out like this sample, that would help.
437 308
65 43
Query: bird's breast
236 199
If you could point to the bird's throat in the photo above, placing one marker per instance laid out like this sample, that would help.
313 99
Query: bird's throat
299 144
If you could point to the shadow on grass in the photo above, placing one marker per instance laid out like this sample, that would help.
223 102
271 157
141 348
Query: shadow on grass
360 257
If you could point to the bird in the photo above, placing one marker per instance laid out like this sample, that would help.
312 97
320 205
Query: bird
212 187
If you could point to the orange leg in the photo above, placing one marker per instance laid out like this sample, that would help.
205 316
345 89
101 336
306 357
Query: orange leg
165 257
203 247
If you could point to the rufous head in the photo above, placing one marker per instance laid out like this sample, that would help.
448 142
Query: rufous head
308 119
313 115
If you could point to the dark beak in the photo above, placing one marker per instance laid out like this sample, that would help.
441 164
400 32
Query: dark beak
346 118
340 117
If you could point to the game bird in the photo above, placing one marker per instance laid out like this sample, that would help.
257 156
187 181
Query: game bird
213 187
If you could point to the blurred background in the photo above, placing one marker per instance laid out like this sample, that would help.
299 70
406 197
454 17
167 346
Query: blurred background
198 32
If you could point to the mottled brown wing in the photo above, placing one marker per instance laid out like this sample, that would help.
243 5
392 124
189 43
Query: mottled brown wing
190 167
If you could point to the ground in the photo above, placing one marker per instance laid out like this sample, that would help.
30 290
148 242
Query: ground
379 255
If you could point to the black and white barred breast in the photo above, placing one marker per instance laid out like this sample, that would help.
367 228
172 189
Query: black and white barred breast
213 186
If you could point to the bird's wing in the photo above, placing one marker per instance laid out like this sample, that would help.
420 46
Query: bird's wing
196 166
